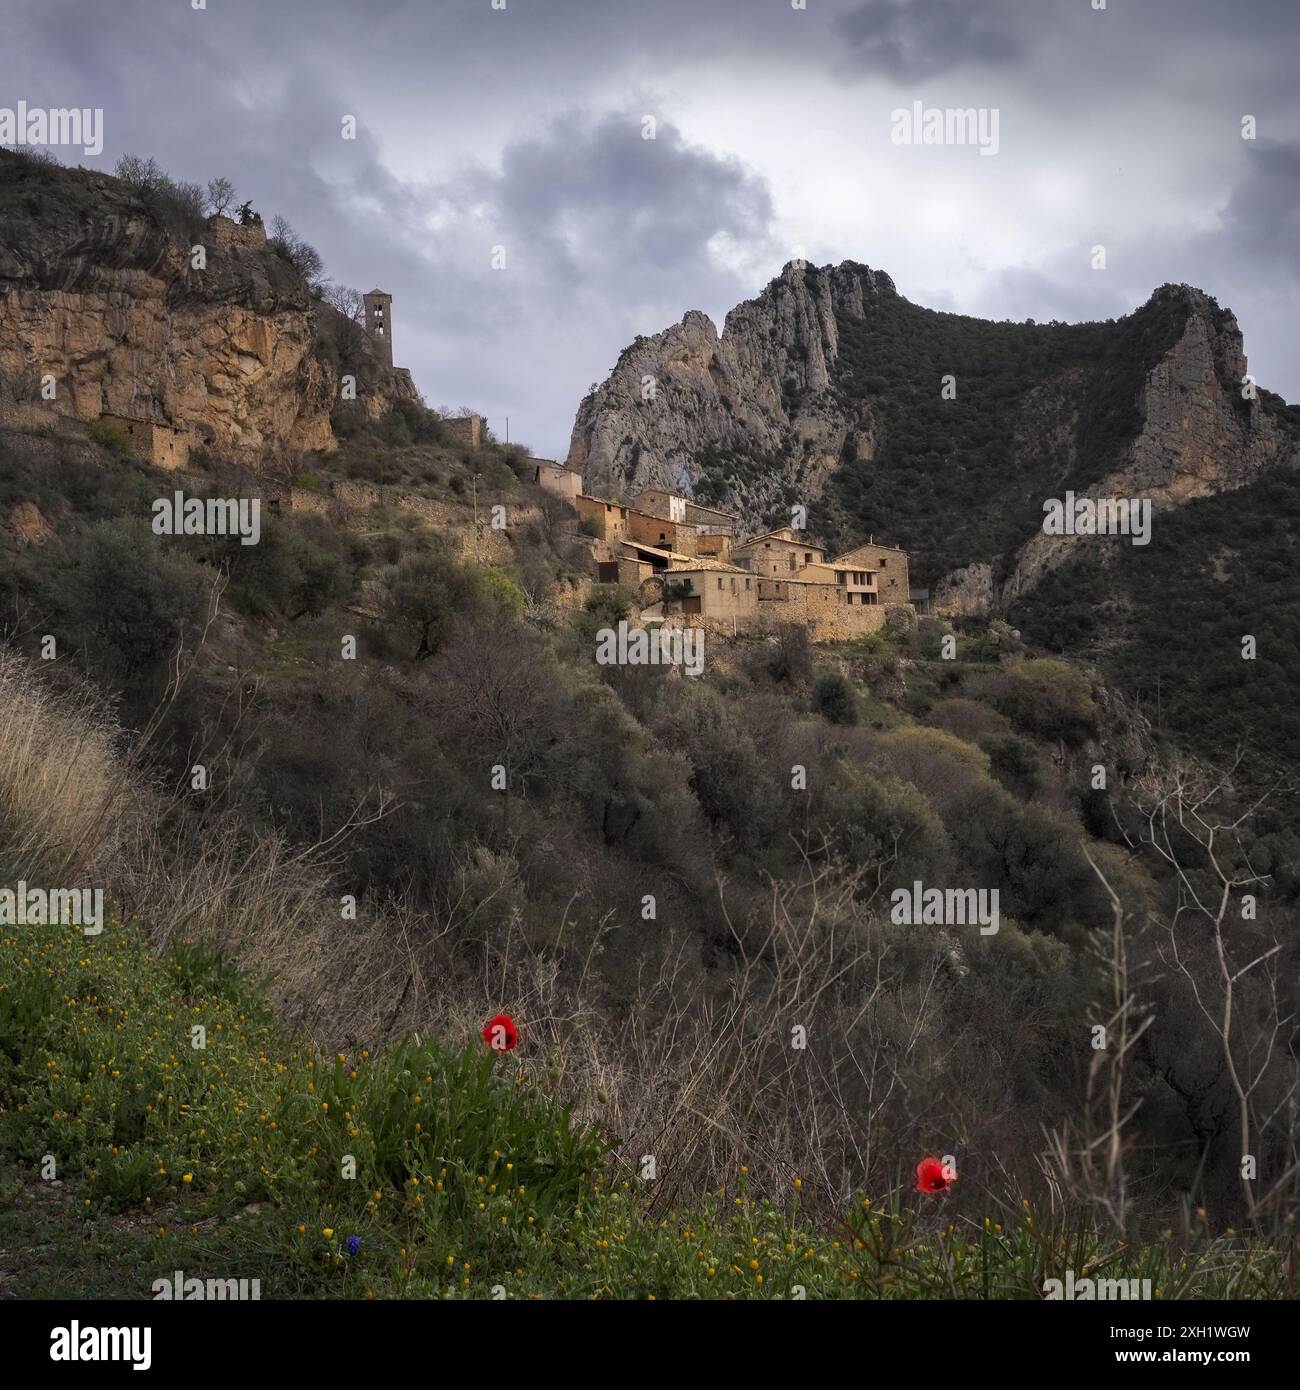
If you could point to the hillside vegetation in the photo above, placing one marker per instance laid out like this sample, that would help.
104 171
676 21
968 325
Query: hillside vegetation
1166 622
656 897
470 1182
942 483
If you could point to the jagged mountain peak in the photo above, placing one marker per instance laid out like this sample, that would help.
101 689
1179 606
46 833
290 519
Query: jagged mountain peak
940 431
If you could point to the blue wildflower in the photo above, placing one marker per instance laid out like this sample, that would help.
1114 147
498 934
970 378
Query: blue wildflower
354 1244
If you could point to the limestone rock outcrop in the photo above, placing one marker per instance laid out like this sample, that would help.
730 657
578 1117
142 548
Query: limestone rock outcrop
757 391
1199 435
829 375
99 294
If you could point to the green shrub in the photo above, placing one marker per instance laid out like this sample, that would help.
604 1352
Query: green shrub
425 595
1015 764
500 589
883 825
112 437
135 597
834 698
1040 696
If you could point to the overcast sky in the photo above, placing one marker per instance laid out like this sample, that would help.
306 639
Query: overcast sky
522 128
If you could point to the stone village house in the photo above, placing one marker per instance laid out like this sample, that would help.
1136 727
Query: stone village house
686 565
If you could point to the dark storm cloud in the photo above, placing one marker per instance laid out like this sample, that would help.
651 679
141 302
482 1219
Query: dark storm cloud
1067 50
595 196
1261 222
522 129
906 40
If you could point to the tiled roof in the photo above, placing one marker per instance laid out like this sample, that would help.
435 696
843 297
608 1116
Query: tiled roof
703 563
652 549
871 545
776 535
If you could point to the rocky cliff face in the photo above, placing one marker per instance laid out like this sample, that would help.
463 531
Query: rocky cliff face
688 398
826 389
1198 436
99 292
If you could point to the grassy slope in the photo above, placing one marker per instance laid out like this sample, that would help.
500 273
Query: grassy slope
225 1162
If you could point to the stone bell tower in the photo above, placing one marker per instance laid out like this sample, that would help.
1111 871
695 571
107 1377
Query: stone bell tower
379 324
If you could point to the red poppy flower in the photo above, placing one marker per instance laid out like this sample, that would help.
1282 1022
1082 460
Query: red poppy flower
500 1034
932 1176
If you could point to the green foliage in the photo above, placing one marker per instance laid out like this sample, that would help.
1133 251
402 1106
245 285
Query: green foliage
500 589
882 821
928 637
298 568
426 594
301 255
1043 697
956 481
1166 620
833 697
135 596
786 658
938 764
731 780
230 1160
1040 872
607 605
178 205
1015 764
113 437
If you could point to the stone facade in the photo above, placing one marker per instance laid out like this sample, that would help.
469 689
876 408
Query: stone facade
677 557
856 582
822 608
226 233
712 590
465 430
609 518
655 530
890 565
153 441
713 545
555 477
379 324
780 552
655 502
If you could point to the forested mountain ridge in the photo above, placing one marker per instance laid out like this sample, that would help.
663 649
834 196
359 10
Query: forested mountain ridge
940 432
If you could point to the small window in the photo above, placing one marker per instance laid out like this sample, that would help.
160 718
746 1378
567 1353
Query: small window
883 563
749 584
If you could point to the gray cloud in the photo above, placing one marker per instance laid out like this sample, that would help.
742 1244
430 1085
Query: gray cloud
1262 218
908 40
521 128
